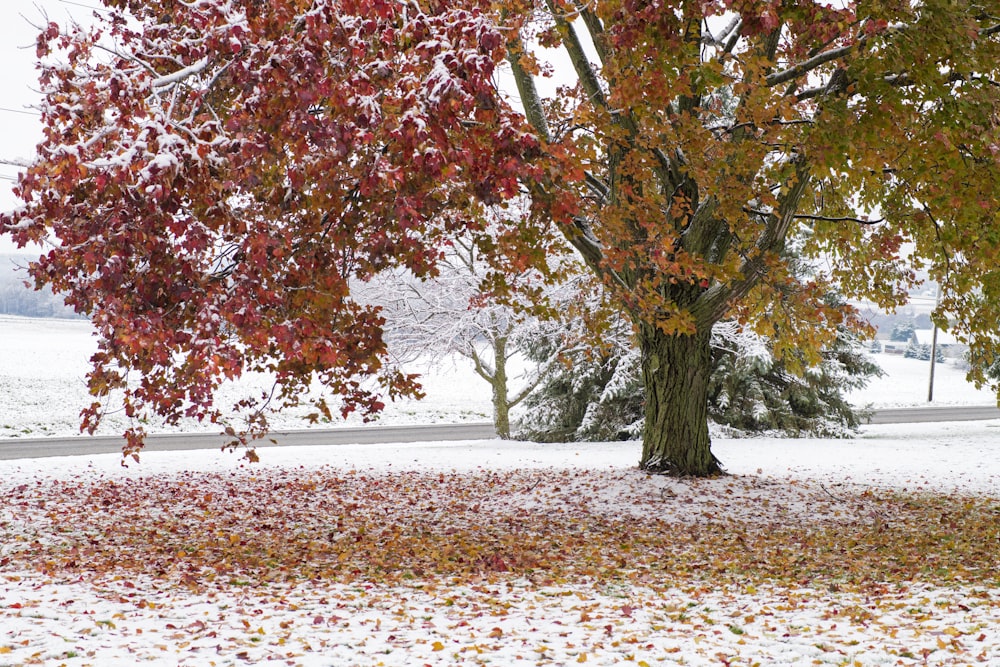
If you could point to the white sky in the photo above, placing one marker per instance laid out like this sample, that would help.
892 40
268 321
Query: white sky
20 129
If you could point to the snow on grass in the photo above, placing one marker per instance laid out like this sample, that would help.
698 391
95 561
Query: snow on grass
830 552
878 550
906 382
44 363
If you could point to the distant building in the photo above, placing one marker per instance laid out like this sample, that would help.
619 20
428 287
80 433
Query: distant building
924 337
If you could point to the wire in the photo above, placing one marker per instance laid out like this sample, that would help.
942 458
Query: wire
27 113
80 4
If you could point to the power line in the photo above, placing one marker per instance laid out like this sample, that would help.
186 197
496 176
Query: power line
80 4
27 113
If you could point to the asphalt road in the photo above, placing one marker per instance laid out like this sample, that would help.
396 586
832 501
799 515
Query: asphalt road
24 448
943 413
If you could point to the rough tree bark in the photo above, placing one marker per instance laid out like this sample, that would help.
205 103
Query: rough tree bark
676 371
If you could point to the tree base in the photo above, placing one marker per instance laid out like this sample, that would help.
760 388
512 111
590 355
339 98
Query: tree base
675 373
667 469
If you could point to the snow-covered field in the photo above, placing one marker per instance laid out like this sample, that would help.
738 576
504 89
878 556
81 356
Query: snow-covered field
43 364
509 553
906 382
878 550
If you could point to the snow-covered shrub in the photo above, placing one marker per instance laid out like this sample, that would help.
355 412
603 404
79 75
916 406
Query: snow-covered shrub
599 395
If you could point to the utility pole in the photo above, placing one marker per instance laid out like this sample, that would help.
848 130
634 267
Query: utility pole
930 386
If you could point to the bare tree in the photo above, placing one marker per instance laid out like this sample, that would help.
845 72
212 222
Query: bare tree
455 313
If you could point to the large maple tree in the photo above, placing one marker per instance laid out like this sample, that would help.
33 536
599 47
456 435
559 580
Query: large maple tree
215 173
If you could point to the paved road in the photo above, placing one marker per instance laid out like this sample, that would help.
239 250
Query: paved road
23 448
951 413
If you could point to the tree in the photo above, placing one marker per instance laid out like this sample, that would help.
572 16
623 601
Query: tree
16 298
922 351
595 391
902 331
753 392
598 395
450 313
216 178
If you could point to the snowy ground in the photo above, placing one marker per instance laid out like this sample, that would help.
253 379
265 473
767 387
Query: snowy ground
906 382
878 550
43 364
815 551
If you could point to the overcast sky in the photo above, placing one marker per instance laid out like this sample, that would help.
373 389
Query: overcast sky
20 128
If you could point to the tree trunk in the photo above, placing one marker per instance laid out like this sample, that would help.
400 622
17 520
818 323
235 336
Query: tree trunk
675 372
501 404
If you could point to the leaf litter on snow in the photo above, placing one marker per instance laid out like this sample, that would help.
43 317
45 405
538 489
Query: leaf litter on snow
440 557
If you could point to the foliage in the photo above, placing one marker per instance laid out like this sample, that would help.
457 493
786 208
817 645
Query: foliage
217 180
922 351
902 332
432 555
216 174
202 527
599 395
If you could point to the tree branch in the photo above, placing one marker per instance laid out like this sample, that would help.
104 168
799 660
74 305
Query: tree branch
596 30
847 218
806 66
526 90
771 240
483 369
807 216
541 372
937 233
574 47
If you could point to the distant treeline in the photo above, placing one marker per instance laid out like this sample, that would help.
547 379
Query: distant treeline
17 299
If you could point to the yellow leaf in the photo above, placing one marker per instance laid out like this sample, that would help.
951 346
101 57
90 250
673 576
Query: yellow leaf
582 657
437 646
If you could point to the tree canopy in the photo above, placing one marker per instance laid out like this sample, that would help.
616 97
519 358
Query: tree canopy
214 173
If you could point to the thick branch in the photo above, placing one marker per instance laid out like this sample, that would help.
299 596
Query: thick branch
717 299
806 66
581 64
482 368
596 30
527 90
597 186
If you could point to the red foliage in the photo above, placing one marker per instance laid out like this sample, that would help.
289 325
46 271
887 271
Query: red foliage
212 207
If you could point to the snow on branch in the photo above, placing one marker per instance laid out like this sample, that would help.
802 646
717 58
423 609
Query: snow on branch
181 74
